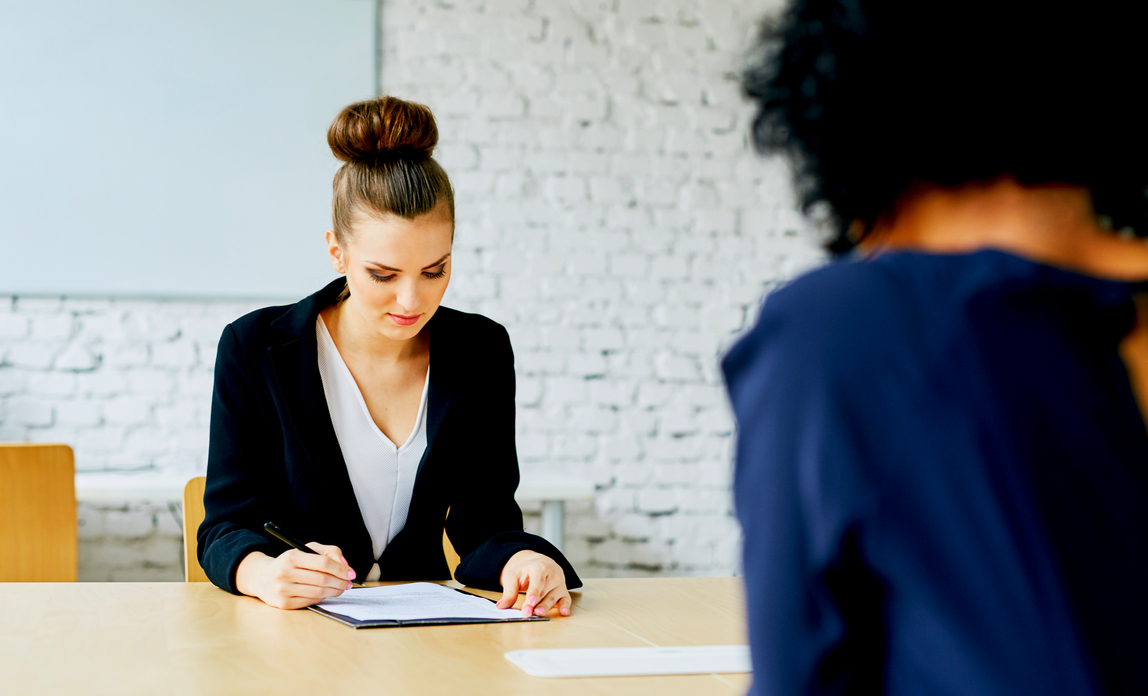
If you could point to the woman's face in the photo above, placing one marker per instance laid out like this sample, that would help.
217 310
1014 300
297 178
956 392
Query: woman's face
397 269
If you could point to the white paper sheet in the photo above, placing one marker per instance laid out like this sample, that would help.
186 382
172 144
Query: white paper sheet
415 601
621 662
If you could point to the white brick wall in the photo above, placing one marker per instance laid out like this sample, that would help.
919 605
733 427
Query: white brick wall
613 217
126 383
610 213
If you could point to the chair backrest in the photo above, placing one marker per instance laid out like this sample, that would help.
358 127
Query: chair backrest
37 513
452 558
192 517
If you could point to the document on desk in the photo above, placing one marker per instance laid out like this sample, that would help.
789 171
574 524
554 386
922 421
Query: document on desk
628 662
414 604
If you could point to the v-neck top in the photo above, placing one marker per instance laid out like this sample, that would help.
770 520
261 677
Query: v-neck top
382 474
942 477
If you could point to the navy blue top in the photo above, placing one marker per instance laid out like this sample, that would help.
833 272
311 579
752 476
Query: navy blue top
942 478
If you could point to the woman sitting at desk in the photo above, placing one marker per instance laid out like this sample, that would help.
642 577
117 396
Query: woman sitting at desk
330 417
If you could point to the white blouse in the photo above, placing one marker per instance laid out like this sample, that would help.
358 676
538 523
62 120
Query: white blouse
382 474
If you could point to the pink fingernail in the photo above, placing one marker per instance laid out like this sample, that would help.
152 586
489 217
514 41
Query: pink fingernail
344 560
565 611
532 600
351 573
348 585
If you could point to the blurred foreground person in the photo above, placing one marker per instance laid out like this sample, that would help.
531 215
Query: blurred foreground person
942 468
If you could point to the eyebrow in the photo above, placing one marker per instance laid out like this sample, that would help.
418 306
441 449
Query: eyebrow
399 270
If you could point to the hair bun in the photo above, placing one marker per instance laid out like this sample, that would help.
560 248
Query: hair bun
383 129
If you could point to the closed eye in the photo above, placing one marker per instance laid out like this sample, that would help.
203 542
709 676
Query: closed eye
436 273
381 278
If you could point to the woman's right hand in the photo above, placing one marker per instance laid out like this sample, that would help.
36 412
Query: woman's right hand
295 579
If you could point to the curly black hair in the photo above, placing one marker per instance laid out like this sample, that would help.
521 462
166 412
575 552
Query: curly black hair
871 97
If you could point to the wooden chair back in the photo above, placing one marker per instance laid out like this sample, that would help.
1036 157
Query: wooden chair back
452 558
37 513
192 517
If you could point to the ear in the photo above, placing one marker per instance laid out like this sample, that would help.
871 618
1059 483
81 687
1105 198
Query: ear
335 252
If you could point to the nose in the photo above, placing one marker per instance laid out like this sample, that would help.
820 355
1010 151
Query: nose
407 296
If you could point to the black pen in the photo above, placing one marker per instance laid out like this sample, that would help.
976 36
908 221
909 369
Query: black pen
278 532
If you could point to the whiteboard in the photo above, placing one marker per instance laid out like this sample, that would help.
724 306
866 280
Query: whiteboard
173 148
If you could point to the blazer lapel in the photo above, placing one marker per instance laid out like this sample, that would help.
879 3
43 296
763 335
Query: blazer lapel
443 381
296 367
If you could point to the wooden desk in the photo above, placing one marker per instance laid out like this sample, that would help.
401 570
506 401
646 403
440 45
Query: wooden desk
192 638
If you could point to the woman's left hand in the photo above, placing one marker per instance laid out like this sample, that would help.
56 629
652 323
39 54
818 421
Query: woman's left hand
541 578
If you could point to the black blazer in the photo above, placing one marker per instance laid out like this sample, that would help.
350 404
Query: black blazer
273 453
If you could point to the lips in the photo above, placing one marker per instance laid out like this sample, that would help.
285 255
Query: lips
404 320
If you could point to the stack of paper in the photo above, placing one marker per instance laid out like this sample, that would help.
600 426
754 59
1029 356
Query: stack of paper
416 603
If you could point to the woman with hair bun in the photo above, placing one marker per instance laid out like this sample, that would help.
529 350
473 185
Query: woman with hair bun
363 414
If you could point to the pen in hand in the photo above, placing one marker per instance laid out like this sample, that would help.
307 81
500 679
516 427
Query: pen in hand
280 534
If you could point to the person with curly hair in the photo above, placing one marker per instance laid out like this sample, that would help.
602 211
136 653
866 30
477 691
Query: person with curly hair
942 458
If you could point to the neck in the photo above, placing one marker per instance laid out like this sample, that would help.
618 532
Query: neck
354 334
1050 224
